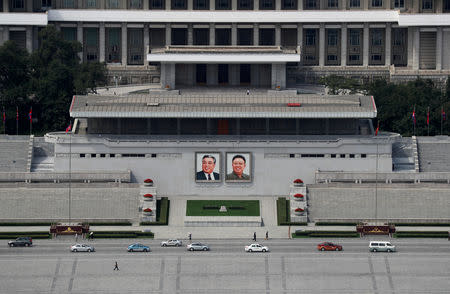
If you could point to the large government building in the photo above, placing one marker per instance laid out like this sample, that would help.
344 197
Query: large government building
263 43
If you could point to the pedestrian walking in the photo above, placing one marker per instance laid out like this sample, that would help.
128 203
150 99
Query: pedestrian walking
190 236
91 235
254 236
116 266
76 237
267 235
248 92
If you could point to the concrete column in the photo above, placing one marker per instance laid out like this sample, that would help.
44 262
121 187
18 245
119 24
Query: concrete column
255 34
212 4
278 33
366 44
410 45
388 45
146 42
5 6
190 5
233 4
235 78
344 45
168 34
365 5
80 38
29 38
168 76
416 48
342 4
212 75
191 74
300 38
254 75
439 48
300 4
145 5
168 4
190 34
124 44
212 34
102 40
234 34
438 6
278 4
322 45
79 4
255 4
278 76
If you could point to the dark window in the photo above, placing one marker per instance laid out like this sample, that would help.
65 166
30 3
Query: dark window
363 155
352 155
223 4
310 39
201 36
245 5
223 37
332 37
82 155
333 155
377 37
266 4
111 4
153 155
69 34
354 37
355 3
103 155
399 3
135 46
135 4
201 5
179 4
113 45
427 4
112 155
17 4
332 57
446 6
353 57
333 4
179 36
93 155
292 155
289 4
376 57
157 4
311 4
267 37
377 3
245 37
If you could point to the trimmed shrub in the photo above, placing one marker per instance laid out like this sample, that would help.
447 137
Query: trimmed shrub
423 224
336 223
27 224
412 234
236 207
281 211
34 235
109 223
162 213
211 207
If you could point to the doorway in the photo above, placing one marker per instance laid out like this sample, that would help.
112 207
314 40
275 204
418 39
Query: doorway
245 74
223 74
200 73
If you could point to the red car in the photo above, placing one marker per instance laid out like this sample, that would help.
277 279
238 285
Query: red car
329 246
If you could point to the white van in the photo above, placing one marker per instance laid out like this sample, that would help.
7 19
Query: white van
375 246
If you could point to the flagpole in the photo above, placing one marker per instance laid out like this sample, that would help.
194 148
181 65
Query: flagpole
442 117
31 119
428 120
17 120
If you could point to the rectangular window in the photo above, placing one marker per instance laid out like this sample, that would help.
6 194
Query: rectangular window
332 57
68 4
157 4
245 5
179 4
332 37
311 4
376 57
354 37
377 3
91 4
310 37
223 4
113 4
377 37
355 4
266 4
69 34
399 3
135 4
446 6
18 4
427 4
201 5
353 57
289 4
45 4
334 4
135 46
113 49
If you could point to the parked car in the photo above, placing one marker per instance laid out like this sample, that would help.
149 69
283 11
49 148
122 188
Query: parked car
21 241
138 247
171 242
329 246
256 248
197 247
375 246
82 248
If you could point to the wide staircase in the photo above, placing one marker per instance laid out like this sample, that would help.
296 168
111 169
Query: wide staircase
43 156
15 153
403 155
434 153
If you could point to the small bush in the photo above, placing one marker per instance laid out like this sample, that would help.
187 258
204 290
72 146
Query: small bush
237 207
211 207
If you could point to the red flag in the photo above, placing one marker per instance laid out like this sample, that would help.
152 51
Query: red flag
69 128
443 114
30 114
428 117
17 113
378 128
4 115
414 116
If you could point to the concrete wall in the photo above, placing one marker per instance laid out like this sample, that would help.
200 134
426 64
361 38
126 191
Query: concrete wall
50 202
394 202
272 168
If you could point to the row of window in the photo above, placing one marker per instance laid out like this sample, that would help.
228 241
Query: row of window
154 155
351 155
426 5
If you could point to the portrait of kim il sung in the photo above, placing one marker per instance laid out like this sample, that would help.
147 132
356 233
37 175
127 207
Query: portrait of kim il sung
207 166
238 167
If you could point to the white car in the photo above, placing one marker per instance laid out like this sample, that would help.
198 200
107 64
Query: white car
171 242
82 248
256 248
375 246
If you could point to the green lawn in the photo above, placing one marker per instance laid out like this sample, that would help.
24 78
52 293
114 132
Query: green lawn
245 207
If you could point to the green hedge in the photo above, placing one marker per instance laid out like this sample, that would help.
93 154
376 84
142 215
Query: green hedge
162 213
125 223
123 234
26 224
336 223
34 235
314 234
283 215
412 234
423 224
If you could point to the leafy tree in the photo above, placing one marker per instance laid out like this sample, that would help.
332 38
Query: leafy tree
90 76
14 83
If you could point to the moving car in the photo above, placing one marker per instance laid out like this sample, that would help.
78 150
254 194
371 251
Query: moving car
256 248
82 248
21 241
329 246
171 242
375 246
138 247
197 247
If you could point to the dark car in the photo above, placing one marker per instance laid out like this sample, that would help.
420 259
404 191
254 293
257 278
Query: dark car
329 247
21 241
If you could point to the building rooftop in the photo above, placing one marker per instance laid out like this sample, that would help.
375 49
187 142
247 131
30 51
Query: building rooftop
225 105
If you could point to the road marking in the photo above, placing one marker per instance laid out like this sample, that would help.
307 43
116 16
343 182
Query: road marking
283 274
58 264
72 276
266 260
162 274
372 275
388 271
178 274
